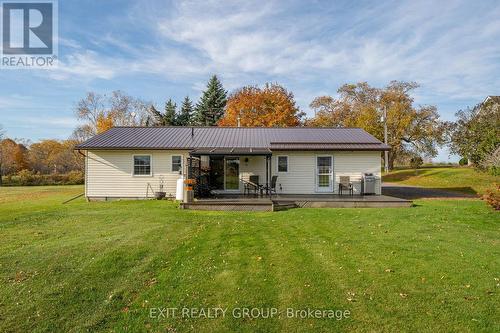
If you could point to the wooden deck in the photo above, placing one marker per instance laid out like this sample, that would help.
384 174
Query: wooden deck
282 202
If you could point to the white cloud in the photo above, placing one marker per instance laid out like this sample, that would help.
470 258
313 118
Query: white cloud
63 122
71 43
15 101
88 64
450 51
436 44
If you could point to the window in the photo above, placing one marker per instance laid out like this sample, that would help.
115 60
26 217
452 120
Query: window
282 163
176 163
142 165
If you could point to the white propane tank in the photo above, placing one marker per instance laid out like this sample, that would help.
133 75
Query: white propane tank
179 193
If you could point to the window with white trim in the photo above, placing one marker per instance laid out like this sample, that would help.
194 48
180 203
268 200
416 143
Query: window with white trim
176 163
282 163
142 165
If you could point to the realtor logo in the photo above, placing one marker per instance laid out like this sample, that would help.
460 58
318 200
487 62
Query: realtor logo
29 34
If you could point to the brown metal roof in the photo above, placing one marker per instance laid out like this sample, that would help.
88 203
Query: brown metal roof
329 146
294 138
231 151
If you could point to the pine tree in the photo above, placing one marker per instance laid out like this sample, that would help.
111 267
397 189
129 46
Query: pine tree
186 113
169 117
211 106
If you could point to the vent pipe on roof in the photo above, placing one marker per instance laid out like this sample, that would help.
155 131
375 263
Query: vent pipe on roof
192 132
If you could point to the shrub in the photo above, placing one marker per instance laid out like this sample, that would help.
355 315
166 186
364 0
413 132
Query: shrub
26 177
463 161
492 196
75 178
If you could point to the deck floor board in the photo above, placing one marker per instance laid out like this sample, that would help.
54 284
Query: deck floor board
241 202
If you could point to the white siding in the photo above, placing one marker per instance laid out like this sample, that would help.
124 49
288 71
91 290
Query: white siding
301 175
255 166
354 165
109 174
300 178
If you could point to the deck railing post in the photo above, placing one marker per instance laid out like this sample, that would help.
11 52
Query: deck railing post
270 174
190 167
267 174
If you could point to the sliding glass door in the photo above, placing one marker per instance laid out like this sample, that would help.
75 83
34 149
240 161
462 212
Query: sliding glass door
232 174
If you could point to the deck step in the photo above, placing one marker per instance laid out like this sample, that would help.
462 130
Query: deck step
304 201
283 205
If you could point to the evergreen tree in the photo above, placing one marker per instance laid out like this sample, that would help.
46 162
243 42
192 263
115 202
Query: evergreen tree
186 113
211 106
169 117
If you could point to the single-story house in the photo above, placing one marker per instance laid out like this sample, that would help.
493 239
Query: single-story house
134 162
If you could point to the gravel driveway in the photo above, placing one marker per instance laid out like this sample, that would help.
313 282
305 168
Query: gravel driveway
415 192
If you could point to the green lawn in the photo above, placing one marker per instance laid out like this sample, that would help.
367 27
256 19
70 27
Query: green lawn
458 179
103 266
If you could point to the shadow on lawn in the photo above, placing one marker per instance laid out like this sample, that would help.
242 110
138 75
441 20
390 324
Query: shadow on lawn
409 192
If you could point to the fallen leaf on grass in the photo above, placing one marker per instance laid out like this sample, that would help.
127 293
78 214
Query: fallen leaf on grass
403 295
151 282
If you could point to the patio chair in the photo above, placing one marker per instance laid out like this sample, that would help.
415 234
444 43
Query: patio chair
251 185
272 187
345 184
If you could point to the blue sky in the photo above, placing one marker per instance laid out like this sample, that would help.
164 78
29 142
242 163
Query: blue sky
159 49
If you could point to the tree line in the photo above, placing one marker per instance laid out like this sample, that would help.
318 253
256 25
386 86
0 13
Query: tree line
414 131
43 162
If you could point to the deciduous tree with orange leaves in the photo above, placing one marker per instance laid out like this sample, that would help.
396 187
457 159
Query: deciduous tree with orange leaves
412 130
101 112
271 106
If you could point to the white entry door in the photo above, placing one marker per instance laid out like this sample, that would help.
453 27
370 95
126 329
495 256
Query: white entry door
324 173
